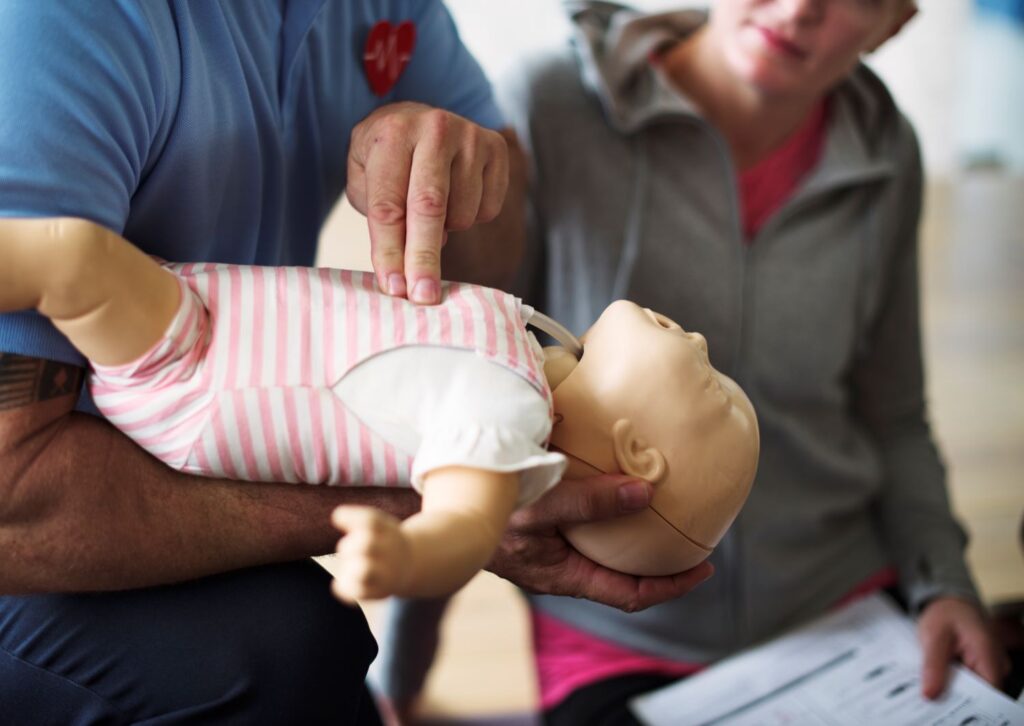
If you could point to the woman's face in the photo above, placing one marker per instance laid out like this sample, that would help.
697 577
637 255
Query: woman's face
801 47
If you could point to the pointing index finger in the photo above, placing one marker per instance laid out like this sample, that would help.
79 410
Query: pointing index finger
427 210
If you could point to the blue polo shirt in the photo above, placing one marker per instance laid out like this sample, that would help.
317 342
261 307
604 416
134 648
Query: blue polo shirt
201 130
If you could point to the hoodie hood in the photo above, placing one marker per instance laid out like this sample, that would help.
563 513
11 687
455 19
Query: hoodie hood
614 44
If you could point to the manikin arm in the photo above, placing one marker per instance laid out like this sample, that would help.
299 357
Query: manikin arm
110 300
433 553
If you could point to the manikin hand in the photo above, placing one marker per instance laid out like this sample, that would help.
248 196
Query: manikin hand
535 556
951 628
417 172
373 556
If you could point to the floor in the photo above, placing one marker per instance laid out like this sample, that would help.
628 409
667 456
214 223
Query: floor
958 75
973 277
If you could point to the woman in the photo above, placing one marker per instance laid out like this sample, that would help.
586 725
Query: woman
743 173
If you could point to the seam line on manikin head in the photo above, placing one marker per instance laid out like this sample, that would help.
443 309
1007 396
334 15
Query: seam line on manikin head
681 533
598 469
678 531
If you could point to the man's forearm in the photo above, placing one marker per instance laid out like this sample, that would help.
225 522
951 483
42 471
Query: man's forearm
83 508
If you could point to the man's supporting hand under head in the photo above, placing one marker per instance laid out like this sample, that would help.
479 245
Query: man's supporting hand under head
535 555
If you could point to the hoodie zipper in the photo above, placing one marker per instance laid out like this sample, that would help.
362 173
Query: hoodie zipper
738 614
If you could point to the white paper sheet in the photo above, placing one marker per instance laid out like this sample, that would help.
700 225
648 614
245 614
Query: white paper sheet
860 665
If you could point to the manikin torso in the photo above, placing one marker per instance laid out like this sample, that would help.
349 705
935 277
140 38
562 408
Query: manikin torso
313 376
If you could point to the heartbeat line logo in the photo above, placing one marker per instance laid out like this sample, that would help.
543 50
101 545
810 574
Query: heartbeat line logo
387 53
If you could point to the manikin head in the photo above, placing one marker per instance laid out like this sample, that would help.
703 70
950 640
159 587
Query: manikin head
645 401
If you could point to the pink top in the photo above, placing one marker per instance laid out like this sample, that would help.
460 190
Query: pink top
766 186
566 658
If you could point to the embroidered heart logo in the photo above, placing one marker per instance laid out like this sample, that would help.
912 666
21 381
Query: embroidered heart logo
387 53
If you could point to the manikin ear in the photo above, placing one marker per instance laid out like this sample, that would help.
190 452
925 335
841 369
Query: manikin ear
634 456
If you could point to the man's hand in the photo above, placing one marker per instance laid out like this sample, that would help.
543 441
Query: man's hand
535 556
417 172
952 628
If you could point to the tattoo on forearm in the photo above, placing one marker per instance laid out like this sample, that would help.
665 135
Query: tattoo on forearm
25 380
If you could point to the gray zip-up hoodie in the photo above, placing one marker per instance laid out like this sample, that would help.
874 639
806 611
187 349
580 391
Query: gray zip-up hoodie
635 196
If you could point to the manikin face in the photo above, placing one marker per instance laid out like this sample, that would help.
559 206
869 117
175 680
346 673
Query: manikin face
640 364
801 47
696 385
645 400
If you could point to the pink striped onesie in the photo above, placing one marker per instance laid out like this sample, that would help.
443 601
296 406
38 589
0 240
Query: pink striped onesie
244 383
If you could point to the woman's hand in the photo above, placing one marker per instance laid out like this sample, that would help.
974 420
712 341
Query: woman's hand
951 628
